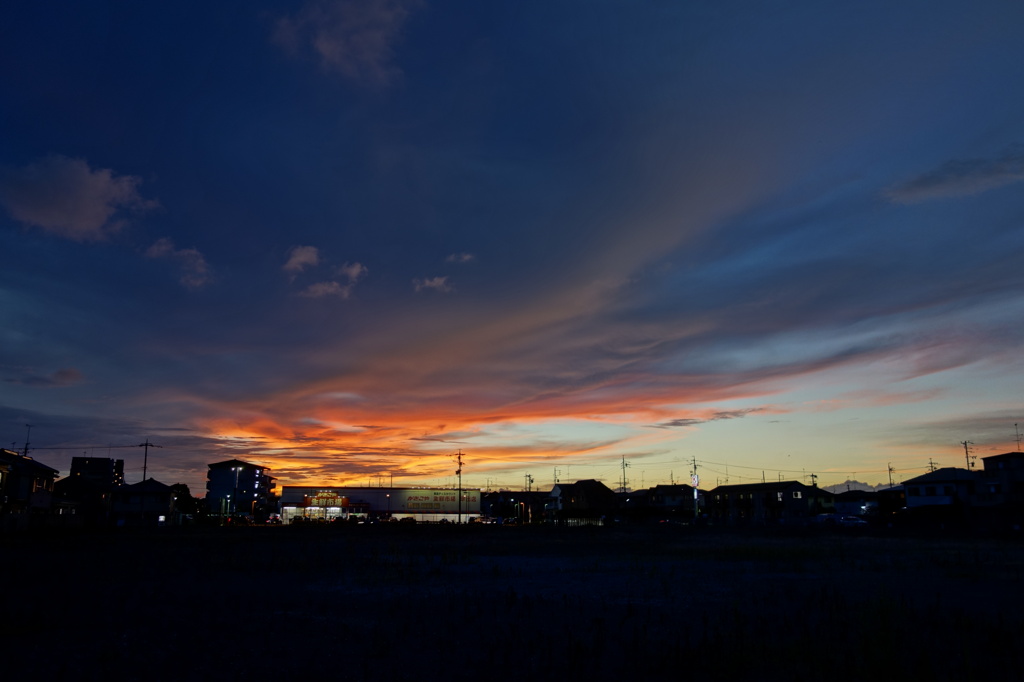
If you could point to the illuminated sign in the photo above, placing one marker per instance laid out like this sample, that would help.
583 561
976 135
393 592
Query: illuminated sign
326 498
442 501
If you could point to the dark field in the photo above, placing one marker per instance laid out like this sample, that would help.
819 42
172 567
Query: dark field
453 603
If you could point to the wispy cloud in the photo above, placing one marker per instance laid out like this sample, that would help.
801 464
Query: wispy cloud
66 197
436 283
325 289
460 258
195 271
355 38
61 377
714 417
351 272
962 177
300 258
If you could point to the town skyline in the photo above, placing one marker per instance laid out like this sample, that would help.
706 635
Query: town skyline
346 240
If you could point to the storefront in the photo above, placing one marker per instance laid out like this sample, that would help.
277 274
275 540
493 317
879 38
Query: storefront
422 504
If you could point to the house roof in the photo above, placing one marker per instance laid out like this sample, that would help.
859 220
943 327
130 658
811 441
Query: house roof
227 464
1004 456
150 485
944 475
677 489
753 487
21 461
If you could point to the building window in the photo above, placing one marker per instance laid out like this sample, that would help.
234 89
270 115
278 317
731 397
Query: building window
797 494
780 496
929 491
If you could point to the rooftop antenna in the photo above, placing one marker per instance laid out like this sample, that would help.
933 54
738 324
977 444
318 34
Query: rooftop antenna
145 455
27 434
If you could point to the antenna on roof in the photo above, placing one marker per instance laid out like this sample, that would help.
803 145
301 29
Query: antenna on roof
27 434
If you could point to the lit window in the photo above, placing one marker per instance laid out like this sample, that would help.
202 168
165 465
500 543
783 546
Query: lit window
797 495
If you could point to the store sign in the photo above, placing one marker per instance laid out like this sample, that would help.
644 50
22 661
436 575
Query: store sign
326 498
442 501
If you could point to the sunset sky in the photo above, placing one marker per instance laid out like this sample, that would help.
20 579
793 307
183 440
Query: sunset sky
348 239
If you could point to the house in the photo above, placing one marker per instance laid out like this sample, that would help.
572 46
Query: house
146 503
782 502
26 489
1003 478
587 502
946 487
661 503
234 487
856 503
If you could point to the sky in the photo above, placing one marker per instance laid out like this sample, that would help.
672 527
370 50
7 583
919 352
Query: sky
350 239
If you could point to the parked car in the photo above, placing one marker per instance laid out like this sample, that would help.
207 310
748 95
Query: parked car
851 522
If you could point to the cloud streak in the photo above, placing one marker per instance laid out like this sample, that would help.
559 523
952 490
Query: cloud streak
962 177
438 284
62 377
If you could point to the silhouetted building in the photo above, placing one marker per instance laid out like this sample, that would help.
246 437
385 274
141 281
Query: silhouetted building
83 498
101 470
1004 477
26 489
582 503
944 487
146 503
782 502
856 503
304 503
515 506
234 487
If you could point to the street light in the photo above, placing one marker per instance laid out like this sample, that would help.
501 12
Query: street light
236 470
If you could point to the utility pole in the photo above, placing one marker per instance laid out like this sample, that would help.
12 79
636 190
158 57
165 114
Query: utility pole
931 465
458 458
27 434
967 453
145 458
556 475
624 482
1017 432
695 480
890 474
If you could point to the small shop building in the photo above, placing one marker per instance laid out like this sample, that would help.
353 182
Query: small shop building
428 505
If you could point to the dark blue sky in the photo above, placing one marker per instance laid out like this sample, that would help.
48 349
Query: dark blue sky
348 238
